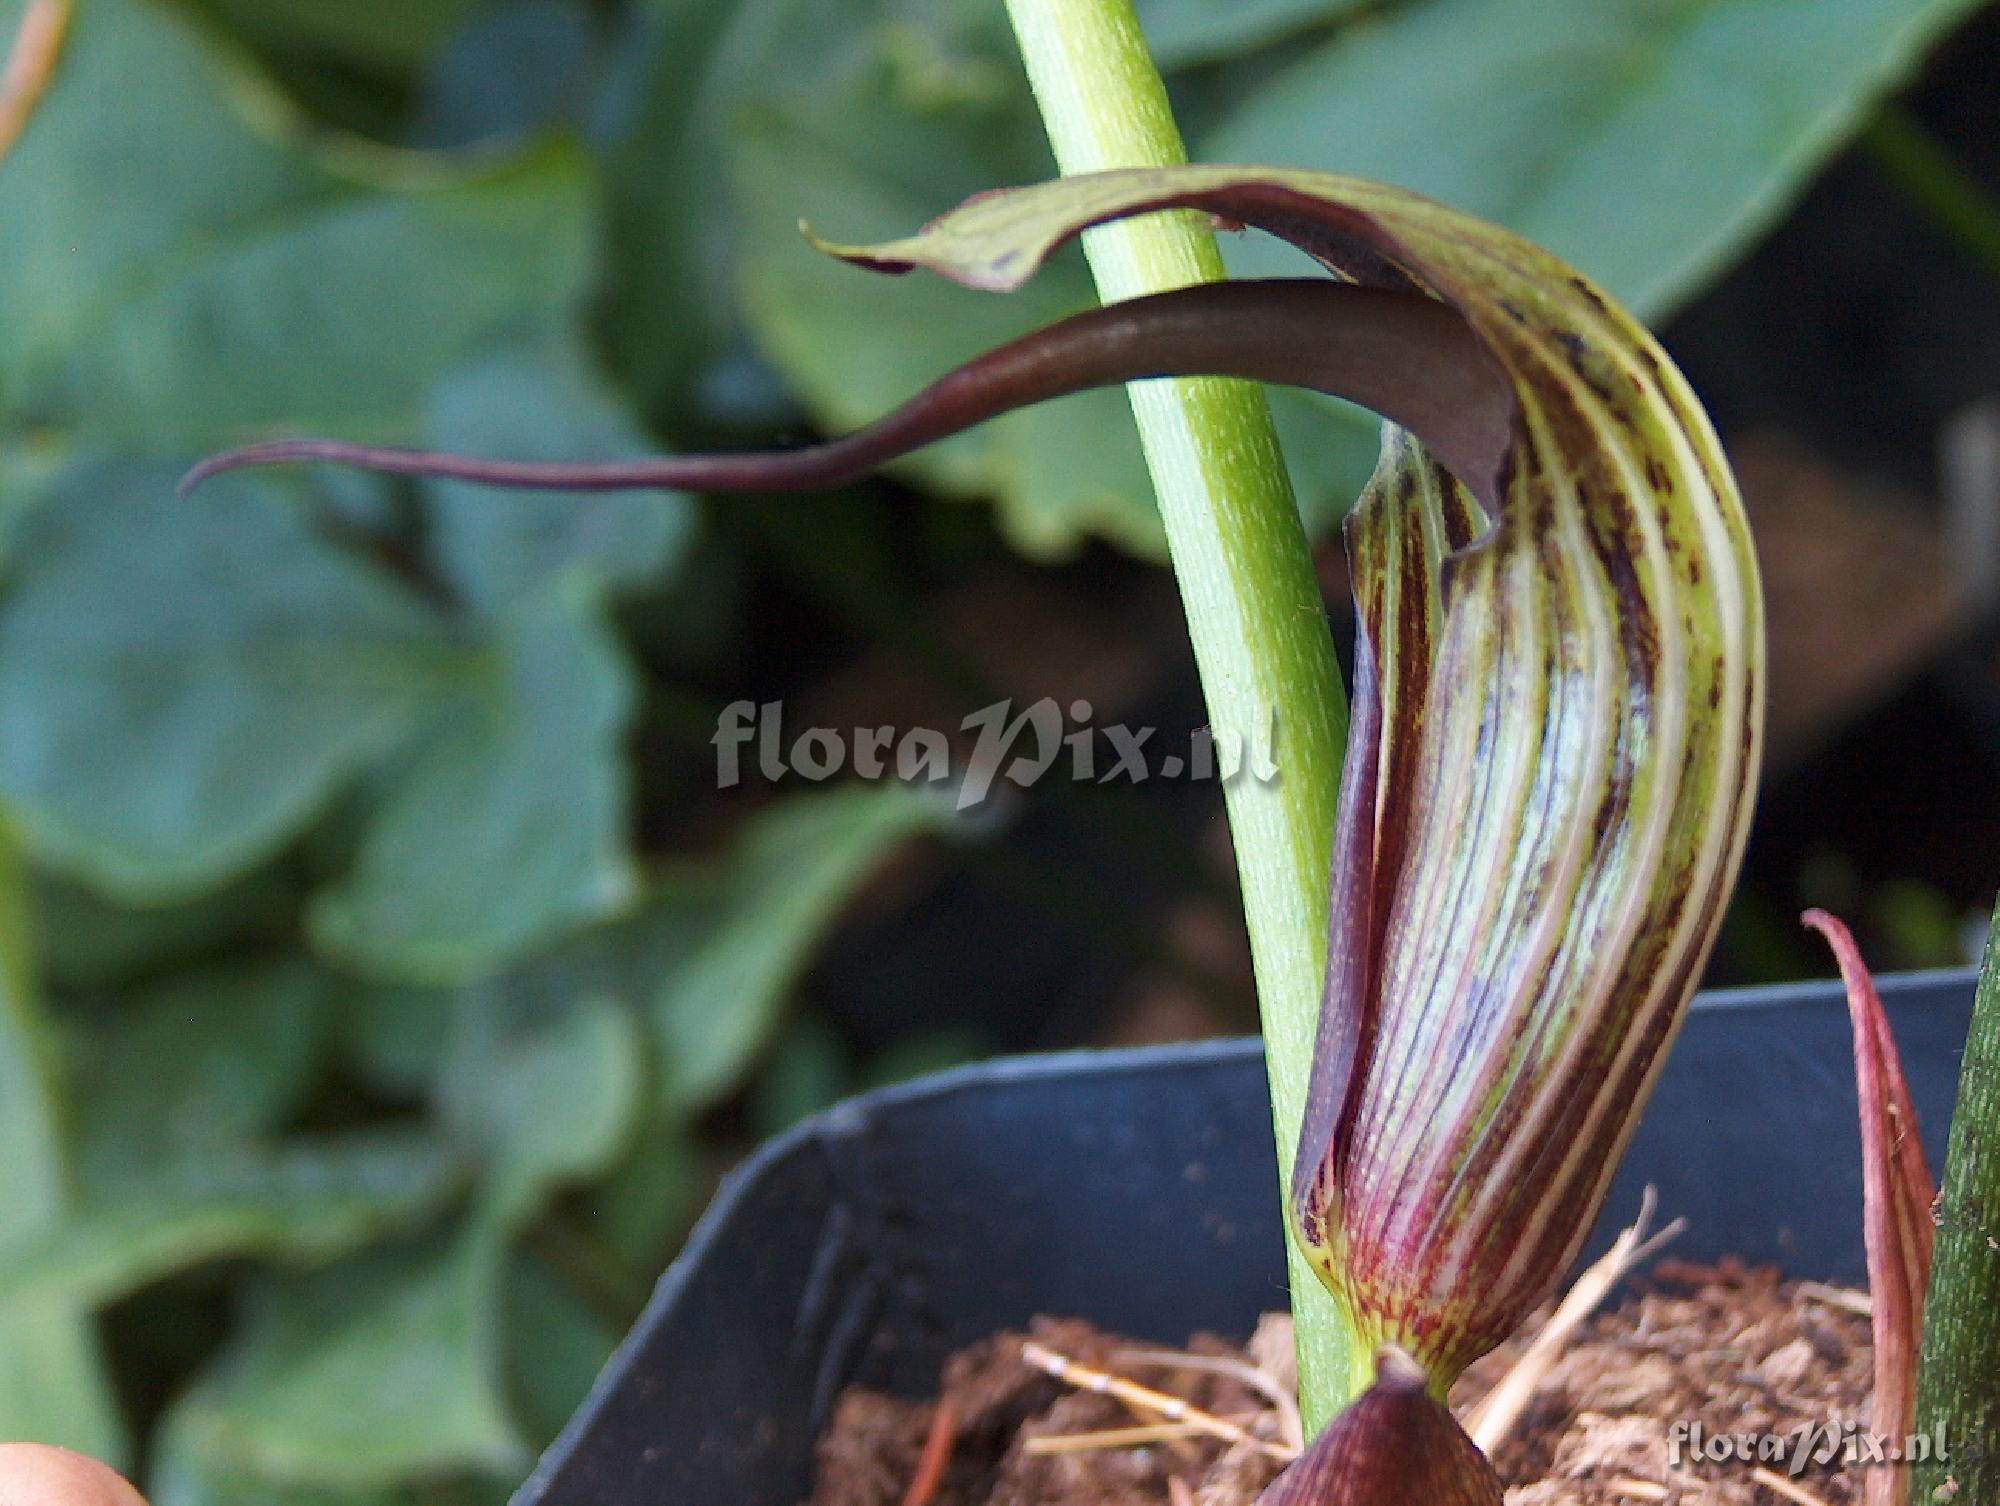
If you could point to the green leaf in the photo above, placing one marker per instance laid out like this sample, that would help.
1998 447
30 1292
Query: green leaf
194 1466
808 1070
1645 142
87 942
741 936
708 957
173 277
555 1344
383 1366
245 1040
163 736
305 1200
1184 32
665 298
548 1087
519 68
27 466
176 1165
642 1210
389 1364
710 954
693 70
545 1087
370 33
52 1385
501 548
394 1037
504 827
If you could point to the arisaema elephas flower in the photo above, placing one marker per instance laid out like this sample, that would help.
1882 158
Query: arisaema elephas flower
1557 719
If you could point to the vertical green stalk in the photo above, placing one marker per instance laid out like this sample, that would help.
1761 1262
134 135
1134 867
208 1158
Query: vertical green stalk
1240 555
1958 1384
52 1385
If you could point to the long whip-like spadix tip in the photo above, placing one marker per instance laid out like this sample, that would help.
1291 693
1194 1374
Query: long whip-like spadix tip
1405 355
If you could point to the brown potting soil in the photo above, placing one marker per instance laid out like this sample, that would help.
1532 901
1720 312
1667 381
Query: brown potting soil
1733 1350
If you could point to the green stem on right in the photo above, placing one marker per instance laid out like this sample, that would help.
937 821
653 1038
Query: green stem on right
1254 611
1957 202
1958 1386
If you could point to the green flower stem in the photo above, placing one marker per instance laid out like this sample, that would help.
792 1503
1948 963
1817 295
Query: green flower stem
1239 552
1956 1388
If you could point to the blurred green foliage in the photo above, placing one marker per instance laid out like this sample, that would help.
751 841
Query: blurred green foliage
354 1049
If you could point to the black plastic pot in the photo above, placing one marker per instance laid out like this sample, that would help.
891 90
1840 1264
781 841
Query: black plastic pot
1138 1188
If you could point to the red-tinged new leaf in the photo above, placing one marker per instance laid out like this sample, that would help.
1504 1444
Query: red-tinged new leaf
1898 1190
1396 1445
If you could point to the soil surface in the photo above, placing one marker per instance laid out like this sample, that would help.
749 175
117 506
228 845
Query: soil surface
1735 1350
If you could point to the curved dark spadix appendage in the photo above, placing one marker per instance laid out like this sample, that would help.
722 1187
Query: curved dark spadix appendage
1409 357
